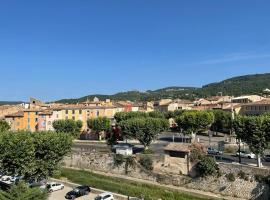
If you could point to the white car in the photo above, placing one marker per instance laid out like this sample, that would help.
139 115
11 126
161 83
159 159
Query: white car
55 186
245 154
105 196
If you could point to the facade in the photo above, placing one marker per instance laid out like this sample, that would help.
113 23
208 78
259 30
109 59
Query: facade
24 120
247 99
256 108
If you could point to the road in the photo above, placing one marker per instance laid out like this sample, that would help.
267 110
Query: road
60 195
166 138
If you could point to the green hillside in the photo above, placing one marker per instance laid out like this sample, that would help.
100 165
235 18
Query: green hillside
249 84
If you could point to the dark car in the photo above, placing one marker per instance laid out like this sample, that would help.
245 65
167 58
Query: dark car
78 192
266 158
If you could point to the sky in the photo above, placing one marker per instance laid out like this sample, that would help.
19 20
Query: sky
67 49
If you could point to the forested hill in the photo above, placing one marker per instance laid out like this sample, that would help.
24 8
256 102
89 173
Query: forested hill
249 84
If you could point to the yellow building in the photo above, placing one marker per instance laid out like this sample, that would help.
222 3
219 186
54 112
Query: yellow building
24 120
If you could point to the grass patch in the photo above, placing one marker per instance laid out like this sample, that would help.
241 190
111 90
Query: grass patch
125 187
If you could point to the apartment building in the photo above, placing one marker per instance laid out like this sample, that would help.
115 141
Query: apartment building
256 108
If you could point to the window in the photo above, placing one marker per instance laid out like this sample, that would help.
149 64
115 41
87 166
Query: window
66 117
73 112
36 119
28 120
66 111
57 116
80 111
73 118
36 113
97 113
49 122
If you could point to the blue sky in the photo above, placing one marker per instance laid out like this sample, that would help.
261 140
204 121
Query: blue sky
59 49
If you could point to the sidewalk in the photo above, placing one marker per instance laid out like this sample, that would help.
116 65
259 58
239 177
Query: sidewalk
194 192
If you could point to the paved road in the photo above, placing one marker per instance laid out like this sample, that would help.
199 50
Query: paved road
60 195
165 138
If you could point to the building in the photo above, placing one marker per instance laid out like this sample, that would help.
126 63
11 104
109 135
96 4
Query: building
9 109
256 108
177 158
24 120
247 99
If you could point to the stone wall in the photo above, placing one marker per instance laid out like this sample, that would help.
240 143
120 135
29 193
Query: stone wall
227 168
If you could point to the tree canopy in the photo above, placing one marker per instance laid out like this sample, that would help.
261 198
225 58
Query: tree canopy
99 124
195 121
4 126
23 192
222 121
33 154
68 126
143 129
254 131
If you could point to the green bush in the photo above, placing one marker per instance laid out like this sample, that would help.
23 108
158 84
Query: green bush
118 160
229 150
148 151
242 174
259 177
146 162
207 166
230 177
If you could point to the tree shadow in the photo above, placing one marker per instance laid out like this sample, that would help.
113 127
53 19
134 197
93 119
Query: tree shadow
261 192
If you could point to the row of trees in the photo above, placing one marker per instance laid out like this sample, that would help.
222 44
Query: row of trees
255 132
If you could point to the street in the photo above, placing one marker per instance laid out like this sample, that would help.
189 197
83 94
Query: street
165 138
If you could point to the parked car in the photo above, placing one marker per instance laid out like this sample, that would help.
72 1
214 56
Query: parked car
245 154
78 192
213 151
105 196
51 187
15 179
266 158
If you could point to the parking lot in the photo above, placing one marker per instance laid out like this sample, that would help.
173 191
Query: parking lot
60 195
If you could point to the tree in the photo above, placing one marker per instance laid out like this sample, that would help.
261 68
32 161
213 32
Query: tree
99 124
222 121
68 126
143 129
4 126
33 154
122 116
23 192
207 166
192 122
253 130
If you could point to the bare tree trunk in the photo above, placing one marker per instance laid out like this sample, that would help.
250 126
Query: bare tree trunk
259 162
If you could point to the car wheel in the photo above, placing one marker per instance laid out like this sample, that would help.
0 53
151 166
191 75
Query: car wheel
62 187
50 191
87 192
249 157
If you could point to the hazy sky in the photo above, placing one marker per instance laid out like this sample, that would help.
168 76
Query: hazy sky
60 49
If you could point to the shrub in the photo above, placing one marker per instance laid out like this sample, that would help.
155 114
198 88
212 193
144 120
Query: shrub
229 150
242 174
259 178
197 152
207 166
230 177
146 162
118 160
147 151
